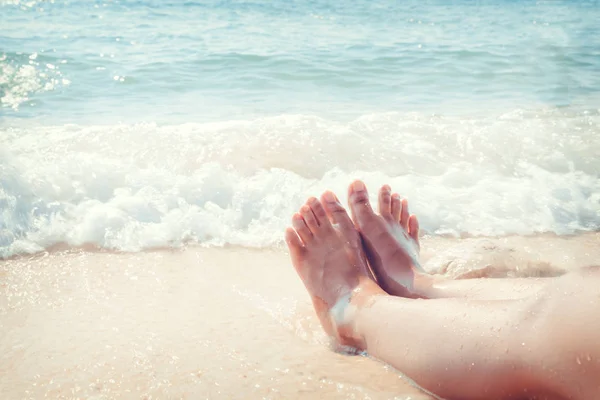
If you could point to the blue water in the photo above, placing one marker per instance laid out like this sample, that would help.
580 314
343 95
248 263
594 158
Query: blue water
215 60
132 124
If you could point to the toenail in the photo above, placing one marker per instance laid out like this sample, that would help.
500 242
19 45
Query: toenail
396 196
358 186
330 197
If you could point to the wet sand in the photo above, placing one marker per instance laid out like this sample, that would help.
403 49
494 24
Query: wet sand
198 323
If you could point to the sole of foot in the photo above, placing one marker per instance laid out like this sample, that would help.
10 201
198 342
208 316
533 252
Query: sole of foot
327 254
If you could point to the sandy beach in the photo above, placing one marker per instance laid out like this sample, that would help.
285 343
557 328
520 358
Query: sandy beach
153 153
210 322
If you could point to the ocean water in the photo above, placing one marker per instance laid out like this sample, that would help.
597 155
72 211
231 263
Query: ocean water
140 124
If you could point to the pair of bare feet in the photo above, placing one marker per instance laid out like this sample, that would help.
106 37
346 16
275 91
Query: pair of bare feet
344 262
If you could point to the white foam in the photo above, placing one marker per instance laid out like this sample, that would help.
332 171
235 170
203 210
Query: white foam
131 187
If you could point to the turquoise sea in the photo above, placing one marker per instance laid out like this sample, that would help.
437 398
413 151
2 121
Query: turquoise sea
137 124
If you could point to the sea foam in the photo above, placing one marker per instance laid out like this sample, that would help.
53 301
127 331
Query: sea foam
131 187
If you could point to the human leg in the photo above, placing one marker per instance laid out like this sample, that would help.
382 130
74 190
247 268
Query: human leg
456 348
403 332
544 346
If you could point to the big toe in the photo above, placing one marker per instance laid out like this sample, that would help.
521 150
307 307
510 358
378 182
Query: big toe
360 207
296 248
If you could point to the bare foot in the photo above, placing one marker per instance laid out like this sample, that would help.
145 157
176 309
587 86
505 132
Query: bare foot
391 239
332 265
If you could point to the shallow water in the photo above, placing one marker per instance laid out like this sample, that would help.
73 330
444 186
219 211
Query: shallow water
103 61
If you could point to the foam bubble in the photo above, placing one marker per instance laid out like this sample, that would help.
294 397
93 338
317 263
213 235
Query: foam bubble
131 187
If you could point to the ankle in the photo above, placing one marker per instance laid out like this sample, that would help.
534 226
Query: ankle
344 313
364 293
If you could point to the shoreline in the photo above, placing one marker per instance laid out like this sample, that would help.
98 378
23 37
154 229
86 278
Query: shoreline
510 255
438 240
